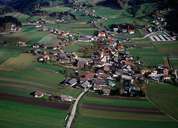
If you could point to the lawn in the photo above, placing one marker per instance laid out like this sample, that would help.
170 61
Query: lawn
18 115
117 102
165 96
92 122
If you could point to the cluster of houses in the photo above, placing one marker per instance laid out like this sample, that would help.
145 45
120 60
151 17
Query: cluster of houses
158 30
62 98
123 28
15 28
110 67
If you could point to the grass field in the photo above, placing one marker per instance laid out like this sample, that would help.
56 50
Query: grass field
155 54
20 16
19 115
55 9
122 115
30 34
93 122
92 118
49 39
6 53
165 96
22 75
117 102
80 27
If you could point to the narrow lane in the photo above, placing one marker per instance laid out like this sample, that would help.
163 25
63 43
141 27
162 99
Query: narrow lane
74 108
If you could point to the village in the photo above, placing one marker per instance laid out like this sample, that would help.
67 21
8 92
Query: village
88 63
110 70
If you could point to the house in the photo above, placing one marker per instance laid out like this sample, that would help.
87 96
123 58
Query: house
106 91
99 84
82 63
131 29
111 83
21 44
67 98
87 76
72 82
38 94
102 34
14 28
87 38
86 84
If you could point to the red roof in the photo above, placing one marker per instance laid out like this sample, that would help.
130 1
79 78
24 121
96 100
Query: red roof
88 75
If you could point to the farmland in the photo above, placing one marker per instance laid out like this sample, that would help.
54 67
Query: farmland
64 50
55 9
165 97
154 54
29 116
107 116
82 121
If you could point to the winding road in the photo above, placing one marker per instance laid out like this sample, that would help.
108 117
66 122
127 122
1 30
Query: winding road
74 108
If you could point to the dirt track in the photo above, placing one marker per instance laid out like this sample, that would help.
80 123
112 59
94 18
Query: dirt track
32 101
122 109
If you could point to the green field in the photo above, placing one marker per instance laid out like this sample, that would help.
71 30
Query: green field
20 16
92 122
55 9
122 115
117 102
6 53
30 34
155 53
22 75
165 96
18 115
79 26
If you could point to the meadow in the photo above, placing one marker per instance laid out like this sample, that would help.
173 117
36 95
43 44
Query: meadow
29 116
165 97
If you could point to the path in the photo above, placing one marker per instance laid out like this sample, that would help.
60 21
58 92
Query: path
74 108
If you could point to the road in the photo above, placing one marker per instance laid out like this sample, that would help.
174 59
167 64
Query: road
74 108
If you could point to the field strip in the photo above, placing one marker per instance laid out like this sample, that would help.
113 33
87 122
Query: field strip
122 109
32 101
168 115
21 81
120 97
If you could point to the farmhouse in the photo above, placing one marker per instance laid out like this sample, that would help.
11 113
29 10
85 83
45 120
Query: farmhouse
38 94
66 98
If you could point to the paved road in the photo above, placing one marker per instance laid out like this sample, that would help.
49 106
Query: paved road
74 108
